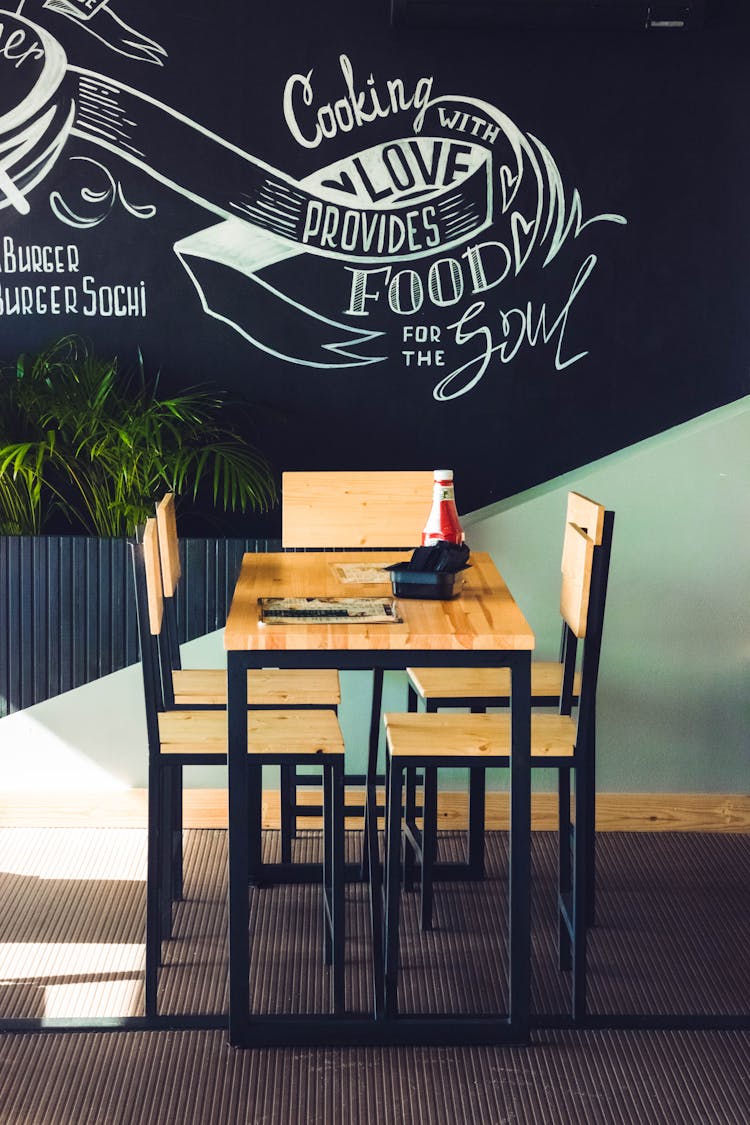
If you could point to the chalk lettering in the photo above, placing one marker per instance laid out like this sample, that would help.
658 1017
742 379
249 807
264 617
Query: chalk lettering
35 258
505 333
335 228
421 333
113 300
358 107
18 45
488 264
387 172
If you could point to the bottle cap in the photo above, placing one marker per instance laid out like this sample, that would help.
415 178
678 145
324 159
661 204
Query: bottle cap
443 474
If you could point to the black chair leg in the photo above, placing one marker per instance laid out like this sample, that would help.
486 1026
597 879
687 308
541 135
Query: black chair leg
410 814
477 783
580 900
166 832
328 953
254 782
287 810
153 887
591 833
177 828
392 888
564 879
410 817
429 845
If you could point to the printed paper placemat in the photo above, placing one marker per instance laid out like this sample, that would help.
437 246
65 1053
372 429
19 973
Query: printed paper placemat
360 574
327 611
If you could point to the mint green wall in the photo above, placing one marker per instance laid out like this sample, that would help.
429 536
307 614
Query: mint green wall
674 698
673 710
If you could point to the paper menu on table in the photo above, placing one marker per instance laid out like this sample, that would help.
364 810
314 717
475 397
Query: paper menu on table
328 611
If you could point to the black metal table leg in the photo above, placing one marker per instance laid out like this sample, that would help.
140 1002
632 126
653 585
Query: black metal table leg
372 758
239 851
519 921
375 884
338 919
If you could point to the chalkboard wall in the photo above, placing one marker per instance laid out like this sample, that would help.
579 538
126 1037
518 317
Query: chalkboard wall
511 252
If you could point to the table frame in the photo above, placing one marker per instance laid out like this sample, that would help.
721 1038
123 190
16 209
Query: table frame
246 1029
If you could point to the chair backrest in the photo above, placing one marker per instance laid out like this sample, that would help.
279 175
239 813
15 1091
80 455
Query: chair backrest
154 588
169 551
583 592
149 601
577 560
357 509
171 572
586 514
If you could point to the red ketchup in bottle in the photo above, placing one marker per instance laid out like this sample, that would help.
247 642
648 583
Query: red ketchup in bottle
443 524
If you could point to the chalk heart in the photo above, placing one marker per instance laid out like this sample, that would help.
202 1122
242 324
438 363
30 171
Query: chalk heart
523 232
509 185
343 183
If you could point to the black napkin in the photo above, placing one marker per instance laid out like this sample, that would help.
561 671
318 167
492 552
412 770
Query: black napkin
447 557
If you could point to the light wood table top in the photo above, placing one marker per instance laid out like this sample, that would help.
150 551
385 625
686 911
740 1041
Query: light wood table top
483 617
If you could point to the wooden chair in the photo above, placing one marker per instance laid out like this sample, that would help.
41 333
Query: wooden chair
478 689
182 736
428 741
207 687
354 510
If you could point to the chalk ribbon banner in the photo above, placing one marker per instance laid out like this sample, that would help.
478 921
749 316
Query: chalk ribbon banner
406 199
409 199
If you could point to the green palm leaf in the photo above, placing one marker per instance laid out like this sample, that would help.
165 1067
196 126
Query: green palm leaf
79 435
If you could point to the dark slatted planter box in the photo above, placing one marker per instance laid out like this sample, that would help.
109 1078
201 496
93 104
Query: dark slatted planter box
67 610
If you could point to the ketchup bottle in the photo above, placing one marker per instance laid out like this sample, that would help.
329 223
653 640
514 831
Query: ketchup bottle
443 524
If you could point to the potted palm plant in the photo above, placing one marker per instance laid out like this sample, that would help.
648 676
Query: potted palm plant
88 447
82 438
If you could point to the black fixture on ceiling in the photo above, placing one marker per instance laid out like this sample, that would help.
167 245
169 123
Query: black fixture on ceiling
592 15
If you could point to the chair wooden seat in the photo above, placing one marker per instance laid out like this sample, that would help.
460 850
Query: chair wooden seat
485 684
271 734
268 687
475 737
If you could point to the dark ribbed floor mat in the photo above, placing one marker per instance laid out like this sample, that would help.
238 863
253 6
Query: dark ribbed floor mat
192 1078
671 933
671 937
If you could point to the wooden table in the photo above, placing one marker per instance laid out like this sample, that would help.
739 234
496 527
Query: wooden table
482 628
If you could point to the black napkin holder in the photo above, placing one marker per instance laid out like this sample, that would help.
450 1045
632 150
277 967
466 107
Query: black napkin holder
436 573
438 585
